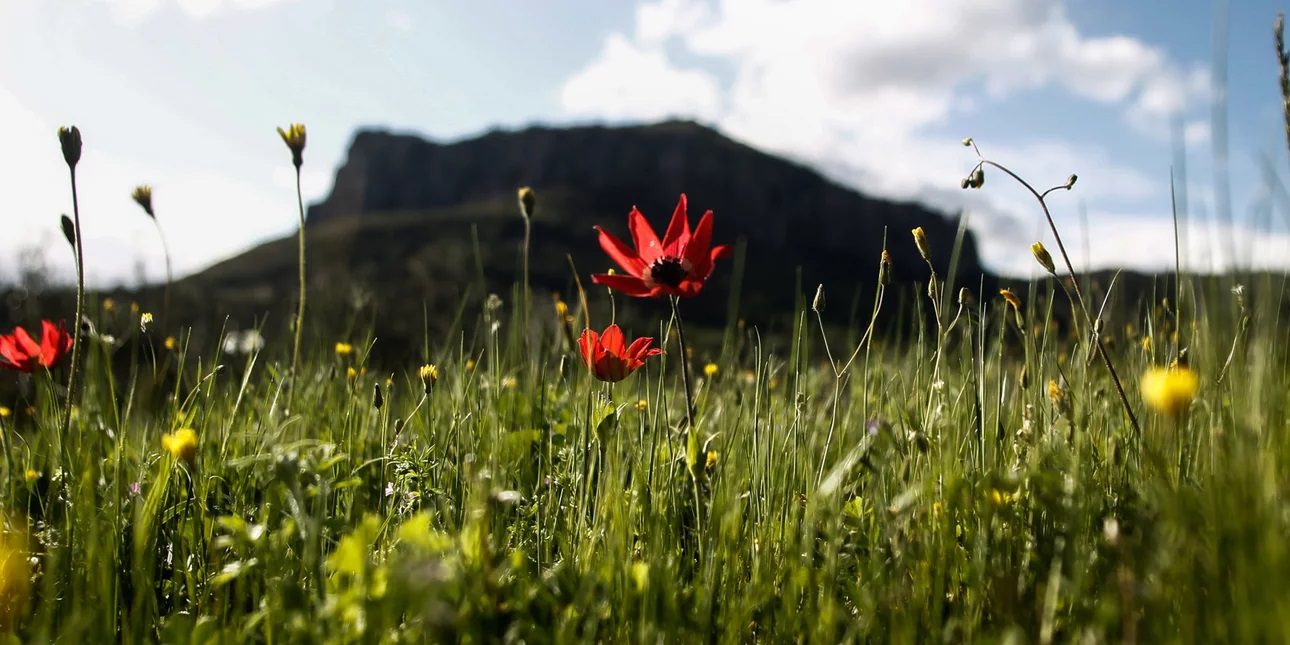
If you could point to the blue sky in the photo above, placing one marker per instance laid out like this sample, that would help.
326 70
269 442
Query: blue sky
185 95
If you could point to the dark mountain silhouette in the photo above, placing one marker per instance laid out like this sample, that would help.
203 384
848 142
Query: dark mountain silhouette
402 220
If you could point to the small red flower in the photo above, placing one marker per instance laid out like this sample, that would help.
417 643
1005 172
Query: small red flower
676 266
19 351
608 355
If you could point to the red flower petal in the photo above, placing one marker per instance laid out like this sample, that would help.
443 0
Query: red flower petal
25 342
697 250
587 344
678 230
13 358
619 252
689 287
54 342
648 247
613 340
639 349
625 284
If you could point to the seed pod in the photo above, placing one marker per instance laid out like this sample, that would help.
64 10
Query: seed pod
817 305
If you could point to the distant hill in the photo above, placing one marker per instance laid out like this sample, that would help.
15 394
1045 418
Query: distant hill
400 220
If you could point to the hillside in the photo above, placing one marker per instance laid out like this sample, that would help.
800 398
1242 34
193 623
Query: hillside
403 212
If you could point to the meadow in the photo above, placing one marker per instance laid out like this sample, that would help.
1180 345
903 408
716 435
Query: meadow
1059 462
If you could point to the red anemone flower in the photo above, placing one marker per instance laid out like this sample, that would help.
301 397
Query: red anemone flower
676 266
608 355
19 351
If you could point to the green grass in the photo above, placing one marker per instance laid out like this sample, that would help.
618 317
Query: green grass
523 500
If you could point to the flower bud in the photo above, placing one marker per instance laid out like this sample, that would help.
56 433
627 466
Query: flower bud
920 240
884 269
977 178
69 231
70 139
143 197
528 202
1070 181
378 399
817 305
294 137
1042 257
967 142
1015 303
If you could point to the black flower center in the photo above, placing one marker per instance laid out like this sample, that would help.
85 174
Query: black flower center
668 271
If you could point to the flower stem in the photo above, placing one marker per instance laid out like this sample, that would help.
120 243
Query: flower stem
695 469
685 364
300 309
170 276
74 369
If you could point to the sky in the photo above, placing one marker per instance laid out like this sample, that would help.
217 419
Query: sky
185 95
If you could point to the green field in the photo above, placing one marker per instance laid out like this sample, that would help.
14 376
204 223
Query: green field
965 472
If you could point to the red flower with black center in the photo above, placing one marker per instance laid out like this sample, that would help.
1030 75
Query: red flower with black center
608 355
19 351
676 266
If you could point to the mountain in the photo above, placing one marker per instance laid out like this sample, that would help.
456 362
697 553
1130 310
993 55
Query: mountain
404 215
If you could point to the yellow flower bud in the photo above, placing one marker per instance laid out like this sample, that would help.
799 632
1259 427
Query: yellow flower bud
920 240
1042 257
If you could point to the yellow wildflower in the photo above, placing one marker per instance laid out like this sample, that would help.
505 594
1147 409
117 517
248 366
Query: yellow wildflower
171 343
1146 343
109 305
344 350
642 405
31 475
181 444
1169 391
5 412
1056 394
294 137
429 373
351 373
470 364
711 460
710 370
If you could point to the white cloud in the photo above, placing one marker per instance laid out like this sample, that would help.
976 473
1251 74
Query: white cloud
133 12
632 82
858 88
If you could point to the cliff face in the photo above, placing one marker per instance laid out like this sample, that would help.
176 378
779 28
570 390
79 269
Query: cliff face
405 213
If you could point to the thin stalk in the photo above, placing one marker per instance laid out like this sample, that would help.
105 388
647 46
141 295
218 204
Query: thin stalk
689 416
170 275
74 370
300 309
